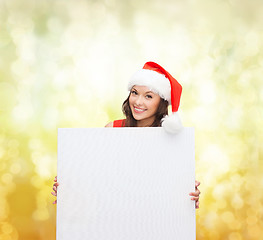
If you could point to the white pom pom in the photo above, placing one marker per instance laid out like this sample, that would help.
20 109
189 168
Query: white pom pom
172 123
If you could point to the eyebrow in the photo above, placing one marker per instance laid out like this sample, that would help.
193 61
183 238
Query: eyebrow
145 92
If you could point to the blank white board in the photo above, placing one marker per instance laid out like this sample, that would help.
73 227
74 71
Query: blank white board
125 184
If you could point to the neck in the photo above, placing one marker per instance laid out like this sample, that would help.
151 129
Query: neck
145 122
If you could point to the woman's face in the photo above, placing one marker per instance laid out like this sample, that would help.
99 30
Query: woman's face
144 104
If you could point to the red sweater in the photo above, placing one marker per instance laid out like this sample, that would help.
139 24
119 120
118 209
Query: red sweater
119 123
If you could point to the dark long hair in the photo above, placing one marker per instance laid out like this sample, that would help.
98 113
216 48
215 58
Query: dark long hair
130 121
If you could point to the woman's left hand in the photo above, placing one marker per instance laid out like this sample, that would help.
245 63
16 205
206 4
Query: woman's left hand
196 194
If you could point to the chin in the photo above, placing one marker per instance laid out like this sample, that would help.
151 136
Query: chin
138 117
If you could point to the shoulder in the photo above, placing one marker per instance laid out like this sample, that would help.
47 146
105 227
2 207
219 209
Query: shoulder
110 124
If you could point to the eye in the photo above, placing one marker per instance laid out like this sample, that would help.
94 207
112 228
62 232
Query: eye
149 96
134 92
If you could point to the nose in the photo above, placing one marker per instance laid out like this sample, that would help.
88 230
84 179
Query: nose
139 101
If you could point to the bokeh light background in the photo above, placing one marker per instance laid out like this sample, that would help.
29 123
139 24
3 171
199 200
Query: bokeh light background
66 64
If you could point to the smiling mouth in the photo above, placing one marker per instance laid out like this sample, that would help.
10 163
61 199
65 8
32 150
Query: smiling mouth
139 110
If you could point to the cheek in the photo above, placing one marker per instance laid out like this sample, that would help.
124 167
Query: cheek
155 106
130 100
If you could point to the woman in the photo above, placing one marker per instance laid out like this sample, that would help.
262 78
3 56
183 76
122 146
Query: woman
152 89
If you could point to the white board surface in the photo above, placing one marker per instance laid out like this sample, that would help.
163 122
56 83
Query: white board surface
125 184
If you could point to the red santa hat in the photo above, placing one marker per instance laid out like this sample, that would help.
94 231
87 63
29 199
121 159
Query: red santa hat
161 82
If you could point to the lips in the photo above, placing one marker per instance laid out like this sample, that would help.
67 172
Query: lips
139 110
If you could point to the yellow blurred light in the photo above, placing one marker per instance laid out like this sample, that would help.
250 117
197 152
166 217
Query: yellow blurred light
210 219
15 168
7 96
20 68
219 191
41 201
221 203
212 234
5 237
228 217
62 79
22 113
252 220
64 97
237 202
13 143
215 162
36 155
7 228
244 78
37 181
65 64
2 152
7 178
25 51
252 44
41 214
235 225
99 8
13 153
42 164
207 93
4 209
235 117
254 231
50 119
235 236
251 211
237 180
72 113
35 143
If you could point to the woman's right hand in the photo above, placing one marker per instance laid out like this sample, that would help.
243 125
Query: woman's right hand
55 186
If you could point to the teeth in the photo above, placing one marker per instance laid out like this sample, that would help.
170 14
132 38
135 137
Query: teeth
139 110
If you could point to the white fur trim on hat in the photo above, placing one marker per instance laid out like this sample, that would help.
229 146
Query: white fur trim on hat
155 81
172 123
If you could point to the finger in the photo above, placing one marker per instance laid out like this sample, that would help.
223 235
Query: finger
197 204
56 184
55 202
196 193
54 188
55 179
54 194
195 198
197 183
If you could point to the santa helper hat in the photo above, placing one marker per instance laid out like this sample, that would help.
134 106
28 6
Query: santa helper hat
161 82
